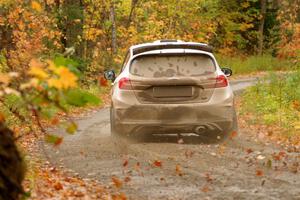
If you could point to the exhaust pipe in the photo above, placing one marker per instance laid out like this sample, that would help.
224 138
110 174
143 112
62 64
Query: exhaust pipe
200 129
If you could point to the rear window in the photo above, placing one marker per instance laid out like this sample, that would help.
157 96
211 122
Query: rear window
156 66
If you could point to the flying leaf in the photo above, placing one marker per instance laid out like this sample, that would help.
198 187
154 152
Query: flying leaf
53 139
72 128
103 82
157 163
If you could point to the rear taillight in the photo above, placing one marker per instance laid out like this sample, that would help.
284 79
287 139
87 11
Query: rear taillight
218 82
124 84
221 81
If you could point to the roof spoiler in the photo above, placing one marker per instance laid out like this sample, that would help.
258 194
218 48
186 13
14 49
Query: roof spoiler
194 46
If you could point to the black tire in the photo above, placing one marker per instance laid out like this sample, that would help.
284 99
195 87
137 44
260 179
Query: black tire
233 129
113 131
222 135
235 123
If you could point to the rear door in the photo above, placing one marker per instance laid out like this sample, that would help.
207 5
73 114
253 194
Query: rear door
173 78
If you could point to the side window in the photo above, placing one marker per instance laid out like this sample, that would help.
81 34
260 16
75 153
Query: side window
126 59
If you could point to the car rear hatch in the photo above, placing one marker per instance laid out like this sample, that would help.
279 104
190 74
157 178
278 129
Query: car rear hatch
173 78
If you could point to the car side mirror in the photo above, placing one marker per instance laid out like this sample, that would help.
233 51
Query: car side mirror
110 75
227 71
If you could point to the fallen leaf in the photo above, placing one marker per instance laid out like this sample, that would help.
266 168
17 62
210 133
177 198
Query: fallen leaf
296 105
137 166
276 157
269 163
259 172
279 156
55 121
127 179
121 196
249 150
125 163
294 167
208 177
58 186
205 189
117 182
282 153
189 153
233 135
178 170
52 169
221 149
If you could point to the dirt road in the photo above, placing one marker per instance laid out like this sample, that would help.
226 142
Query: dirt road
163 167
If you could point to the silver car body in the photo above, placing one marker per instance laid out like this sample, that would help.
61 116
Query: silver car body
171 104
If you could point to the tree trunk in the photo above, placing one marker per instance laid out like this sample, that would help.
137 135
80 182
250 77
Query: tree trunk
113 28
133 5
12 169
72 10
261 26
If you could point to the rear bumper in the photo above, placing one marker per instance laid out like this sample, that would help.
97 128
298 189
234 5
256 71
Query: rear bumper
173 118
217 113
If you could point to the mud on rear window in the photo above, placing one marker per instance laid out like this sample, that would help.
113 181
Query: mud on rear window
157 66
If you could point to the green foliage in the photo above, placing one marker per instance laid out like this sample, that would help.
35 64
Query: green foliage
51 87
243 65
77 97
71 64
275 100
13 104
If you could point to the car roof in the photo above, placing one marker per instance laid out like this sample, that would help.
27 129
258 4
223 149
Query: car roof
169 44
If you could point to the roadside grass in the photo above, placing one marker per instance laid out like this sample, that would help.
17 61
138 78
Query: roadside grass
275 101
252 64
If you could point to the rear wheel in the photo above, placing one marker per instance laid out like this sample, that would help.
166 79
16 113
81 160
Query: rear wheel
221 136
113 131
234 129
